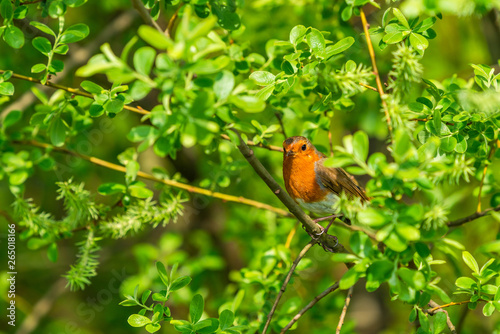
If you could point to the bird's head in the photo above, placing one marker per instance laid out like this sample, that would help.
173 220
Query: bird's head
298 147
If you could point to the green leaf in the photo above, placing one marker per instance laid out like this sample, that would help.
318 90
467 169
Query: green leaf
360 145
114 106
196 308
180 282
223 85
153 328
419 42
42 44
316 41
262 78
250 104
380 271
465 283
408 232
227 17
6 88
91 87
265 92
42 27
207 326
75 33
58 132
424 321
297 34
96 110
373 217
37 68
142 132
226 319
470 261
401 18
140 191
162 272
346 13
413 278
111 188
12 117
339 47
52 253
349 279
14 37
154 37
144 59
439 322
393 37
6 10
137 320
488 309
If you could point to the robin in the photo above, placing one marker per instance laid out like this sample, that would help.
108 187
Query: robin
312 185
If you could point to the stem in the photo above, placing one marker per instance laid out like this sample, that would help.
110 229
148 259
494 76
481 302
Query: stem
168 31
472 217
437 307
145 15
375 70
71 90
308 306
172 183
344 310
368 86
285 283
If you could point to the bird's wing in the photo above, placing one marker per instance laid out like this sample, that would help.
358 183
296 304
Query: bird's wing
338 180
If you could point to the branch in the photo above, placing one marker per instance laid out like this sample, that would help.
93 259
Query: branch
285 283
472 217
308 306
368 86
312 228
375 70
74 91
251 143
172 183
171 23
145 15
344 310
437 308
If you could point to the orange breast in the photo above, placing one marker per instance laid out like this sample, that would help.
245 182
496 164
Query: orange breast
300 179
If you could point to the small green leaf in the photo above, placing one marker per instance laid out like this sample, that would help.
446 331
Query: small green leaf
207 326
75 33
262 78
153 328
316 41
401 18
6 88
226 319
339 47
114 106
297 33
360 145
42 27
223 85
248 103
373 217
154 37
37 68
196 308
140 191
470 261
14 37
144 59
162 272
111 188
137 320
349 279
91 87
465 283
419 42
424 321
6 10
58 132
96 110
42 44
488 309
439 322
12 117
180 282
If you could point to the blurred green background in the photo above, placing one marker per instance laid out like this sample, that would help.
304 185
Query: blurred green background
213 240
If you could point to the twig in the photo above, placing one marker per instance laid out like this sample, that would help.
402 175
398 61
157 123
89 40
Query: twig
368 86
472 217
355 228
344 310
375 70
312 228
492 151
308 306
251 143
145 15
448 320
171 22
290 236
74 91
285 283
172 183
437 307
42 307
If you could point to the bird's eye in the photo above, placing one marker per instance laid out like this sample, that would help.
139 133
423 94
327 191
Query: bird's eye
304 147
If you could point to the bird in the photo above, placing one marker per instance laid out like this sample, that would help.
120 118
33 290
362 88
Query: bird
313 186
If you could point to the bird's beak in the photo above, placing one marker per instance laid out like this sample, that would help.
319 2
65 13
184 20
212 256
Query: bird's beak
289 153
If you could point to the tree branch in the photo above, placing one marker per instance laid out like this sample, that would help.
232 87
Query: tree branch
145 15
312 228
172 183
310 305
285 283
251 143
344 310
437 308
375 70
472 217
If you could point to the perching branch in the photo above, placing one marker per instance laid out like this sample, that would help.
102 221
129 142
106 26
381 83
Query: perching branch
472 217
437 308
285 283
326 240
344 310
310 305
172 183
380 89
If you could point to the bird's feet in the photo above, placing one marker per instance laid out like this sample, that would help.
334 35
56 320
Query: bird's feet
317 220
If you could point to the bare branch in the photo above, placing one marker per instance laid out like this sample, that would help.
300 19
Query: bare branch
344 310
285 283
472 217
310 305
